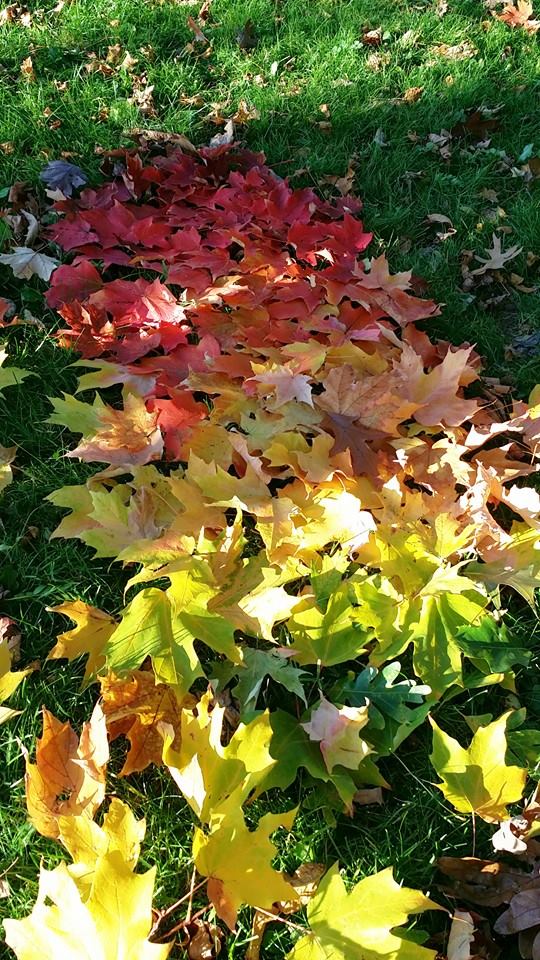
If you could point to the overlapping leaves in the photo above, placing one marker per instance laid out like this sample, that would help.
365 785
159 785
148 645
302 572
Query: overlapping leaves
304 482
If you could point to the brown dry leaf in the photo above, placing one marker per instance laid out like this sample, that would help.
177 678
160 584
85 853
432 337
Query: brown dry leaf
485 882
368 795
245 113
10 632
134 708
458 51
143 137
497 257
68 777
477 125
15 13
519 15
27 70
412 94
442 142
142 97
5 889
375 61
343 184
246 38
196 30
371 38
203 940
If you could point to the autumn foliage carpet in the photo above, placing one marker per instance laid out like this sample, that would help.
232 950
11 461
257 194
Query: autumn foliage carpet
302 486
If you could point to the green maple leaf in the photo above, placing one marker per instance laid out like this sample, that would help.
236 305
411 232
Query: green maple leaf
11 376
330 634
163 625
291 748
360 925
492 643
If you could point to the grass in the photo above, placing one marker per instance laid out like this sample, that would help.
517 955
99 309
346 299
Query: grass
320 61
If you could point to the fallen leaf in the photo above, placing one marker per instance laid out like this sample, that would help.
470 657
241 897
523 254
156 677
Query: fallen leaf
112 921
362 922
461 936
372 38
519 15
134 708
477 124
27 70
196 30
64 176
412 94
497 257
337 731
66 766
471 782
237 862
27 263
246 38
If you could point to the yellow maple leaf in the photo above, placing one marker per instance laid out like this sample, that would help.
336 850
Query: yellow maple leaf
65 765
121 437
477 780
360 924
111 923
9 679
238 861
209 774
86 842
94 627
7 455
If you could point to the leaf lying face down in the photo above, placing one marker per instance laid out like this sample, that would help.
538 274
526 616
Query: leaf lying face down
97 909
360 924
65 765
477 780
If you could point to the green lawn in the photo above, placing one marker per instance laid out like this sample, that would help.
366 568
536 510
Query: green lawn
306 56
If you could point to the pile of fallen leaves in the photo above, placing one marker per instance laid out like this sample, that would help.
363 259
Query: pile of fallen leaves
302 487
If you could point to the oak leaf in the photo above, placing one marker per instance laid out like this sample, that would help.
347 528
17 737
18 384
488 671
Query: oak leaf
65 765
476 779
361 923
498 258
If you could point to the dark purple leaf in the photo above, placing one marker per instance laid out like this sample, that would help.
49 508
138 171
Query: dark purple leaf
64 176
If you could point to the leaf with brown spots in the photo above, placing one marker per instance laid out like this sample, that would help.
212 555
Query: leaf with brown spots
68 777
134 708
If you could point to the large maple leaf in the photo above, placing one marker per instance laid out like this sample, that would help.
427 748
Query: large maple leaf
360 923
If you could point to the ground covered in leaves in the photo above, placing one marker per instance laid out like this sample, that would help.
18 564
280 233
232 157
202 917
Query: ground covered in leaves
279 475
